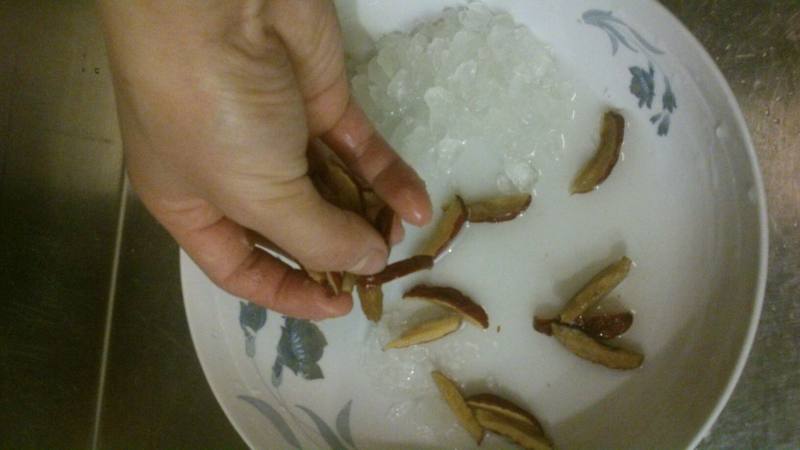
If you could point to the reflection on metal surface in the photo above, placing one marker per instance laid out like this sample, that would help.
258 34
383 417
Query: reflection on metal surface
59 186
58 202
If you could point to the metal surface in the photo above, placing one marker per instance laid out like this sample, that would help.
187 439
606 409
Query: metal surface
59 191
156 394
61 167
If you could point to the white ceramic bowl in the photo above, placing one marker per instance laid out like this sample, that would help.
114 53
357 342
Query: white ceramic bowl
687 205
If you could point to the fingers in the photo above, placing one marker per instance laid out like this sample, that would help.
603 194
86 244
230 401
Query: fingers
398 233
317 234
365 151
315 48
229 258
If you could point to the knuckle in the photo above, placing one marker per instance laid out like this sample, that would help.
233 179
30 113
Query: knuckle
341 249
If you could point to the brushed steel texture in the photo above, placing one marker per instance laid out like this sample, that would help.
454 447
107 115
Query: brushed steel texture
59 195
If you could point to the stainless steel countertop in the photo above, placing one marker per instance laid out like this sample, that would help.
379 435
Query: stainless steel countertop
74 241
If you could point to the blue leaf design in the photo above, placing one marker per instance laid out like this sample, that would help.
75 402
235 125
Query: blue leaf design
643 85
343 424
277 421
663 127
613 33
595 16
310 370
300 347
614 44
603 19
655 117
285 353
668 101
277 373
308 342
252 316
324 429
645 43
251 319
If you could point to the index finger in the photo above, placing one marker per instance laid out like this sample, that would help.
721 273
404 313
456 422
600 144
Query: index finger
366 152
225 251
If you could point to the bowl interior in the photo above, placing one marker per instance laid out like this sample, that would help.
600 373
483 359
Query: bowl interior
687 206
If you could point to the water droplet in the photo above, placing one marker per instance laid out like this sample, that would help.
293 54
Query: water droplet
721 131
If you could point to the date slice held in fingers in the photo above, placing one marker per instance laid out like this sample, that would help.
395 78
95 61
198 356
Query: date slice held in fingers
590 349
452 395
348 282
371 297
448 227
319 277
453 299
373 205
384 222
426 332
334 280
518 431
595 290
499 405
399 269
605 158
498 209
338 186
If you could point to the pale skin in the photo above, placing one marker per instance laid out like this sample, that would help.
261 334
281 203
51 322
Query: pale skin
217 102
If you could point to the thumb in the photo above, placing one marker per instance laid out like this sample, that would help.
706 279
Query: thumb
319 235
310 31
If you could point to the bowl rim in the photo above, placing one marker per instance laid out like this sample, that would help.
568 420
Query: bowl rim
762 264
763 229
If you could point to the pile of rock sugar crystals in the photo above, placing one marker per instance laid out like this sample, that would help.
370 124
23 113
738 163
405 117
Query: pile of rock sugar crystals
470 89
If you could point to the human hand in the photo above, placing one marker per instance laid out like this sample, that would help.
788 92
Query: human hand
217 102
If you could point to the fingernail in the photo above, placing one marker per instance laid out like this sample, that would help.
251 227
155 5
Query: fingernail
418 215
374 261
330 309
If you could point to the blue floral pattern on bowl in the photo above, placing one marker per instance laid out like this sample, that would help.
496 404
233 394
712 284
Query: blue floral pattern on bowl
643 85
300 348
